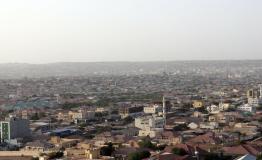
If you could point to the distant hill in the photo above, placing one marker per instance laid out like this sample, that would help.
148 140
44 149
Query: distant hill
20 70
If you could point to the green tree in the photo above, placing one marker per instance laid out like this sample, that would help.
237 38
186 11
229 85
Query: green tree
35 117
133 156
107 150
114 112
180 127
161 147
128 120
139 155
55 155
42 114
212 156
259 157
146 143
179 151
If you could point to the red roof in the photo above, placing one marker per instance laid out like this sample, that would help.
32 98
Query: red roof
243 150
189 149
170 156
208 138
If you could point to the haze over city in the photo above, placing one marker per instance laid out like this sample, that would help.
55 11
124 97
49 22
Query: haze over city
137 30
130 80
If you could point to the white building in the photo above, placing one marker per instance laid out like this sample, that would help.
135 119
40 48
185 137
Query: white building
193 125
82 115
151 133
255 101
214 109
254 97
149 122
247 108
153 109
101 110
260 90
153 124
208 125
149 125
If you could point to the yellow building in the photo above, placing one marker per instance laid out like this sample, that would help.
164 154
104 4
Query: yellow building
92 153
198 104
63 142
83 151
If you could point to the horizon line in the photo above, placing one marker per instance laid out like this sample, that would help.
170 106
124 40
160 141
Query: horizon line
146 61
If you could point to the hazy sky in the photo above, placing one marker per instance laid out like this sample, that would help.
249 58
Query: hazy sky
42 31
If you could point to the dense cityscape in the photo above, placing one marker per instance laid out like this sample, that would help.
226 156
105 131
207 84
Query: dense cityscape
184 110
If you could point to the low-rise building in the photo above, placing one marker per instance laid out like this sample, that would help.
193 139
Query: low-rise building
224 106
81 114
198 104
193 125
149 122
149 125
153 109
221 118
247 108
210 125
63 142
92 153
41 146
130 110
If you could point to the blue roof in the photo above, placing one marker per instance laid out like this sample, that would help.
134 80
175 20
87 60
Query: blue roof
64 130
